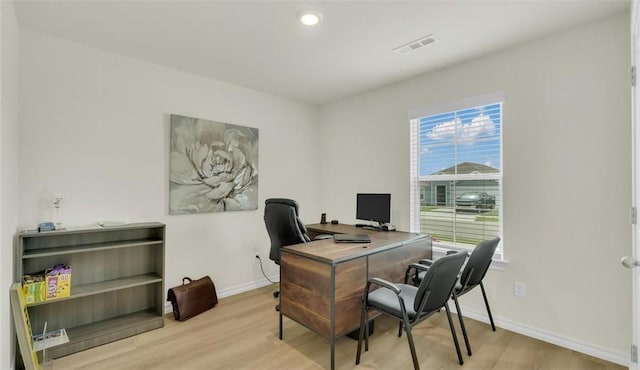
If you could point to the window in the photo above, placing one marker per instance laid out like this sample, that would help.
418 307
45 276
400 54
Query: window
456 172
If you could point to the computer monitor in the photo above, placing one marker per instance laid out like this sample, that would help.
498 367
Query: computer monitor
373 207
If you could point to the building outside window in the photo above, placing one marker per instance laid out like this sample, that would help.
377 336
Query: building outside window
456 172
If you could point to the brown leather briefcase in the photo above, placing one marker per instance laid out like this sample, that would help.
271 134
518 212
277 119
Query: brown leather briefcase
192 298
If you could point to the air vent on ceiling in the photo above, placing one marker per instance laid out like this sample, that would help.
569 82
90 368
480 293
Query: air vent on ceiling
415 45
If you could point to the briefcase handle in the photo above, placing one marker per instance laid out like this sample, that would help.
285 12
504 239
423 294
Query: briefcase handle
186 278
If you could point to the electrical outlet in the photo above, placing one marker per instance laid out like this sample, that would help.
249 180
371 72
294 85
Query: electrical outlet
519 289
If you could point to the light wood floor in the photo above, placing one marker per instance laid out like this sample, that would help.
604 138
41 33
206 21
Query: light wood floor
242 333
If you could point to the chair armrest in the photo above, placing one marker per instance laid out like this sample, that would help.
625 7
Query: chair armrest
454 252
384 283
426 262
419 266
465 283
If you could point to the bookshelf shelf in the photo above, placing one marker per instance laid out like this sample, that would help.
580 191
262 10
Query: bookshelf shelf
117 282
56 251
106 331
106 286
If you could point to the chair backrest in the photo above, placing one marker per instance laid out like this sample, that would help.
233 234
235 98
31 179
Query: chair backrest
479 262
439 282
283 225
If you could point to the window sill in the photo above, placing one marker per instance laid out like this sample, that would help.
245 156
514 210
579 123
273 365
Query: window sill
440 250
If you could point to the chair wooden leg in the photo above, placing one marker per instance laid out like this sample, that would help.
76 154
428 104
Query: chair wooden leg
486 303
464 329
412 347
453 334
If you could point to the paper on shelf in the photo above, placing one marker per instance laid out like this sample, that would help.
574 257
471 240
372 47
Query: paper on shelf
50 339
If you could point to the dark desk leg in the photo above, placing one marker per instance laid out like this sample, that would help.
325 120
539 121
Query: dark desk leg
333 353
279 306
280 329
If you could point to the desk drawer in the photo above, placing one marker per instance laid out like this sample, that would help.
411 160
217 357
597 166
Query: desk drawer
305 292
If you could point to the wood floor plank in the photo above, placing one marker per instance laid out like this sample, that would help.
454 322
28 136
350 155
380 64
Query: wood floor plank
242 333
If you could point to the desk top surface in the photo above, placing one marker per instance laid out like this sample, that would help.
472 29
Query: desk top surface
329 251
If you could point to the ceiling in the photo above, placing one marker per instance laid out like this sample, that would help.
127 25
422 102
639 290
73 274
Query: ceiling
261 45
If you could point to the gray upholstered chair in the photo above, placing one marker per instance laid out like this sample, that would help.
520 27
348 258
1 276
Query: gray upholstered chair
410 304
471 276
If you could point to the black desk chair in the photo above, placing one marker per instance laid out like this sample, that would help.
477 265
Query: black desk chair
410 304
284 227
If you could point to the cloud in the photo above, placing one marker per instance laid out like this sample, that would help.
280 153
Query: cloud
455 130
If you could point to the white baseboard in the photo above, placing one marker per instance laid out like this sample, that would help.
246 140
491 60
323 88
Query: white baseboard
590 349
529 331
233 290
549 337
246 287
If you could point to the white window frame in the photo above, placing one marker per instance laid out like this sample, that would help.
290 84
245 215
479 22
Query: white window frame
440 248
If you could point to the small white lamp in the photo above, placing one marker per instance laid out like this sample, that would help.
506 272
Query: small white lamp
57 204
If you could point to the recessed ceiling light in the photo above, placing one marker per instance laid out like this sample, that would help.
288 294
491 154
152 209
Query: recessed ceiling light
309 17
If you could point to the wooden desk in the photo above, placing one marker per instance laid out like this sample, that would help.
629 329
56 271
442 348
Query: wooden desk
321 282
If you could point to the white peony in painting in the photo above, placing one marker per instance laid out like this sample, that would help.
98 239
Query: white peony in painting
214 166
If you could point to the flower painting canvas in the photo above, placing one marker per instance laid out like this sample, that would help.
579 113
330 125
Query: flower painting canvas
214 166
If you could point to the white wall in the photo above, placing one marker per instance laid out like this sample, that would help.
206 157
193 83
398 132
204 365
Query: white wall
8 171
566 176
95 126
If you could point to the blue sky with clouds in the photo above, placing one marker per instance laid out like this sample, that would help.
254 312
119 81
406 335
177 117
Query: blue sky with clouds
468 135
